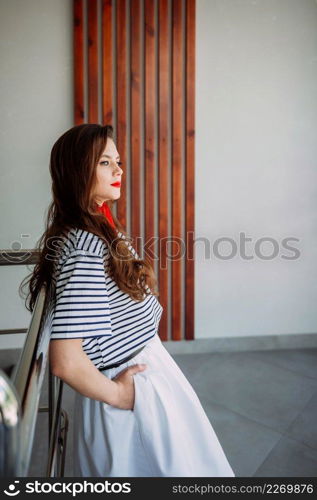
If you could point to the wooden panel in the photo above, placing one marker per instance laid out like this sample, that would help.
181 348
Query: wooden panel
177 195
163 159
171 85
149 127
78 44
135 89
92 62
121 62
107 72
190 171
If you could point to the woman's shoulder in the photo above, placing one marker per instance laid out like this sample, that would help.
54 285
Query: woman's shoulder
78 240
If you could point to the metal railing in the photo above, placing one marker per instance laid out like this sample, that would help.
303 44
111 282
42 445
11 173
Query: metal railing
20 394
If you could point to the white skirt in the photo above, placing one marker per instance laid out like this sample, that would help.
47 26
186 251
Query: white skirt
166 434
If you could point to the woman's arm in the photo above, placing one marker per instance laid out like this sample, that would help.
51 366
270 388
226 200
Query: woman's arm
69 362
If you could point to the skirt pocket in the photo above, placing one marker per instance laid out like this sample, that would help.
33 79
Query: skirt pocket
176 435
161 428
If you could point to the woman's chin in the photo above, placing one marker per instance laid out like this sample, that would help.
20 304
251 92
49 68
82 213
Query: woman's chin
114 198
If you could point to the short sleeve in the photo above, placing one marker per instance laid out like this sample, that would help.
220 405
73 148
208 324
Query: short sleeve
81 307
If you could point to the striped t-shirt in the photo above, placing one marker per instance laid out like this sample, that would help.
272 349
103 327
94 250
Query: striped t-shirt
88 303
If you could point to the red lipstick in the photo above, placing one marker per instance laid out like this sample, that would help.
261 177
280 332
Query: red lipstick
116 184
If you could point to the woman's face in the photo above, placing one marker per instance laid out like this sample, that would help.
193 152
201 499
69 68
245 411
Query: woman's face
108 175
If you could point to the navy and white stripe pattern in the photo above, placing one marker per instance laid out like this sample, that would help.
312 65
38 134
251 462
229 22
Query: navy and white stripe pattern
90 305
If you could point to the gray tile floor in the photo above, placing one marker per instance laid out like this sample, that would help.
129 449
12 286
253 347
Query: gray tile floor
262 405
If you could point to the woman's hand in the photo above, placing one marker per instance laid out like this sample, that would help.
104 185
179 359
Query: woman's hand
125 391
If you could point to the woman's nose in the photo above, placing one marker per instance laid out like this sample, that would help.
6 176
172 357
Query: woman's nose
119 169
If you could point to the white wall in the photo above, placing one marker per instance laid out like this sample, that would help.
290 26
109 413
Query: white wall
256 155
35 107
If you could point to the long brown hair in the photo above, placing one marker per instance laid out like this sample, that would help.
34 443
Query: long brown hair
73 163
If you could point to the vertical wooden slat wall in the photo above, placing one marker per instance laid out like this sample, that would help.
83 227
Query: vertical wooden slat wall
163 161
189 166
177 157
92 62
135 107
149 124
144 58
106 65
78 44
121 102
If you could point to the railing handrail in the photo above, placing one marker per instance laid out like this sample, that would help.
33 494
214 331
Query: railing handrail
28 376
18 257
27 380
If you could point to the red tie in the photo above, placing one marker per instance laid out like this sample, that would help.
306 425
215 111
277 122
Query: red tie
104 209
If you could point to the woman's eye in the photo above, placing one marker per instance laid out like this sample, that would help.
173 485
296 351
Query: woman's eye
106 161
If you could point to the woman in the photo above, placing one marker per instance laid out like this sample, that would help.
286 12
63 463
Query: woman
135 412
